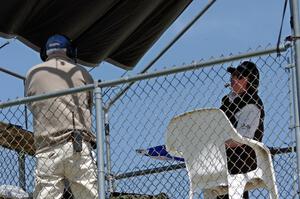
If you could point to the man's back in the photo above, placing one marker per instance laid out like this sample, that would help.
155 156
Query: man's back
53 118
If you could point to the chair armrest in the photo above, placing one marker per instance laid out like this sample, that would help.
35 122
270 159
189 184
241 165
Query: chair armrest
257 146
173 151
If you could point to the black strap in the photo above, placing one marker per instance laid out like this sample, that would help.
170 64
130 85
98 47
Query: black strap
282 19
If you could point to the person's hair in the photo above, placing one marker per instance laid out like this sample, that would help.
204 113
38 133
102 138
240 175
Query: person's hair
252 76
249 70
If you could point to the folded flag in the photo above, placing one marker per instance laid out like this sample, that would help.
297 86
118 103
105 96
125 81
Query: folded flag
158 152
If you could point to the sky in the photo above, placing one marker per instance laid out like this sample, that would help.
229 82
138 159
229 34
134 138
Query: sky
228 27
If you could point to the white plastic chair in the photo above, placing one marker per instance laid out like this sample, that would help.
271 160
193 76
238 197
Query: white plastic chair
199 137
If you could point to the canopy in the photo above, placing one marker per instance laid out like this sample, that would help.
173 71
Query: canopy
118 31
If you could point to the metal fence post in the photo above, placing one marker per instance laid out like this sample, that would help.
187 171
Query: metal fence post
100 142
22 177
108 154
296 33
22 157
294 106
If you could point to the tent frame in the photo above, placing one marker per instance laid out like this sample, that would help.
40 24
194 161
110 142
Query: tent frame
103 137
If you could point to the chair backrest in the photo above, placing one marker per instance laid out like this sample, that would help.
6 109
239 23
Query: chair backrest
199 136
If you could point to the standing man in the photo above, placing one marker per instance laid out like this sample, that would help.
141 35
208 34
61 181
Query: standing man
62 125
245 111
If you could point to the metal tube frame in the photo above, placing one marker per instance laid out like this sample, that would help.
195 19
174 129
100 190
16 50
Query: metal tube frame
100 143
294 7
186 68
21 155
99 108
294 108
12 73
190 67
274 151
138 77
110 177
167 47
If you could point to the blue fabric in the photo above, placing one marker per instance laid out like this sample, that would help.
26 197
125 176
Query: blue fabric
58 42
159 152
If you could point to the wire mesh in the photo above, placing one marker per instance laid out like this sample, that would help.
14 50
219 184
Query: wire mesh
139 120
57 161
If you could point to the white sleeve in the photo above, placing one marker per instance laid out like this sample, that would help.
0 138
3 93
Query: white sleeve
248 120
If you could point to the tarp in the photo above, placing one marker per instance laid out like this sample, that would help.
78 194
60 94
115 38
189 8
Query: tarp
118 31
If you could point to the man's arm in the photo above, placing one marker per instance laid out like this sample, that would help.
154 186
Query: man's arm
248 122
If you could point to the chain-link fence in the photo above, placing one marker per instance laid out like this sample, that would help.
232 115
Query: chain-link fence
137 162
139 120
58 158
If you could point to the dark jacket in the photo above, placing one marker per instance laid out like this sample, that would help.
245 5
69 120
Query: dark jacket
242 159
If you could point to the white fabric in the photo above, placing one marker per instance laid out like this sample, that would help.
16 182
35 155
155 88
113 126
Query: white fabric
248 120
200 137
61 162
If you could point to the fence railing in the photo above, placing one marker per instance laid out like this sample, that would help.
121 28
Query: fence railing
139 119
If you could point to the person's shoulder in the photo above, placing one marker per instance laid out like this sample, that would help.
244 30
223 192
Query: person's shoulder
251 108
35 67
84 72
82 69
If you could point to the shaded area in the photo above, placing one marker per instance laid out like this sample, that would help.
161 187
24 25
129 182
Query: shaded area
119 32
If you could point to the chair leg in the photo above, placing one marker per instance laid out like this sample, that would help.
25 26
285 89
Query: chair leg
273 193
191 192
269 181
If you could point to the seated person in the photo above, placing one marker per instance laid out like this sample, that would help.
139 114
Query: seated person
245 111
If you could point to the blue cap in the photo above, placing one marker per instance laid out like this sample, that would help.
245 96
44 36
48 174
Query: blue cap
58 42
